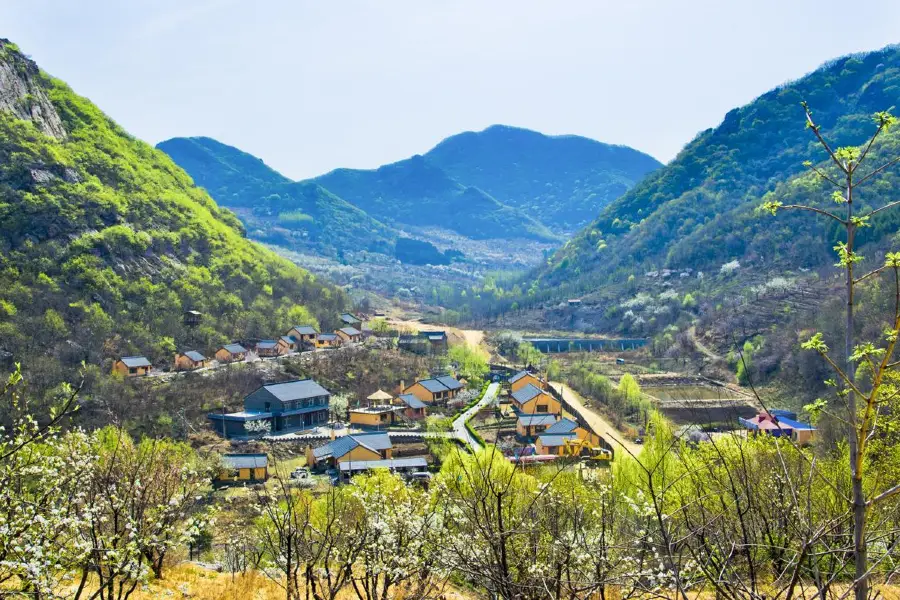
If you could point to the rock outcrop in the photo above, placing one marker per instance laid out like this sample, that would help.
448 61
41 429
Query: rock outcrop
22 95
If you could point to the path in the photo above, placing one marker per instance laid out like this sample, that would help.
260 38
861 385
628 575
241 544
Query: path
459 424
601 426
705 350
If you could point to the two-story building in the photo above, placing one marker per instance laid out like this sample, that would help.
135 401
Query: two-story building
436 390
531 399
132 366
523 378
300 404
304 335
231 353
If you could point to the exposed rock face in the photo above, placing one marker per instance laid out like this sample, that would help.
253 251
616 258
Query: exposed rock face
22 94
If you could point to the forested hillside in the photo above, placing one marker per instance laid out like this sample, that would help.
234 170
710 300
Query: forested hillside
104 242
564 181
274 208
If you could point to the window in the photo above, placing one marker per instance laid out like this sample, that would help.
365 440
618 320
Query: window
132 370
542 408
268 406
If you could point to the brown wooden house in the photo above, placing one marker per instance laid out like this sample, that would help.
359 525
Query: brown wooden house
132 366
189 361
231 353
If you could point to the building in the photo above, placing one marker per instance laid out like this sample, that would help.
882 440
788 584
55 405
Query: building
269 348
574 302
780 423
231 353
351 320
132 366
376 416
530 400
327 340
287 344
528 426
378 398
189 361
242 468
424 342
354 447
349 334
568 427
437 339
414 409
435 390
553 444
523 378
416 464
192 318
303 334
299 404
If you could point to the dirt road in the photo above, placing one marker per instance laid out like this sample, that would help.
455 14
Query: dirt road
601 426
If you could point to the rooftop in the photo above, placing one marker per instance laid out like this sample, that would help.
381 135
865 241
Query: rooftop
554 441
296 390
245 461
520 375
527 393
562 426
235 348
537 419
327 336
135 361
340 446
304 329
380 395
374 410
266 344
350 331
195 356
411 401
396 463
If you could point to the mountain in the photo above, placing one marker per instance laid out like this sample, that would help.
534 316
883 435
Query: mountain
104 242
698 211
419 193
274 208
563 180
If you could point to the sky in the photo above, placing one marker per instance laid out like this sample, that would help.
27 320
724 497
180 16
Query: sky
313 85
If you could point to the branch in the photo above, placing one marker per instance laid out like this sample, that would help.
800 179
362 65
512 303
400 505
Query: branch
885 207
815 210
815 129
877 171
868 147
825 176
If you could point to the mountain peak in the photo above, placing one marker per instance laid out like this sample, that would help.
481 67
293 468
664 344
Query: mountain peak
23 93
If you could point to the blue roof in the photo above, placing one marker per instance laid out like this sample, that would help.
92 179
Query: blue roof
135 361
235 348
195 356
433 385
245 461
518 376
552 441
327 336
450 382
527 393
537 419
266 344
340 446
350 331
411 401
395 463
561 427
296 390
304 329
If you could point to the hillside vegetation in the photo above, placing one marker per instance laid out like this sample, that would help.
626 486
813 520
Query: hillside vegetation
104 242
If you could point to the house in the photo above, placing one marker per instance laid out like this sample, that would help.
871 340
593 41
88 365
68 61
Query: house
528 426
351 320
568 426
231 353
242 468
376 416
523 378
416 464
435 390
349 334
553 444
327 340
413 343
414 409
303 334
574 302
269 348
192 318
531 399
132 366
353 447
780 423
437 339
287 344
190 360
379 398
298 404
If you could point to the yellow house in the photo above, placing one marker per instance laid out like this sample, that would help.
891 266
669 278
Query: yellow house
327 340
531 400
189 361
231 353
523 378
531 425
353 447
349 334
435 390
242 468
132 366
552 444
287 344
374 416
570 427
303 334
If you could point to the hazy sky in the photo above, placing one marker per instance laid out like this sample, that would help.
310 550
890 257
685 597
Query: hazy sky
311 85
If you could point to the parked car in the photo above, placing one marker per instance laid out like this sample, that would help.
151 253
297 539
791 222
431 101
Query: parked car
300 473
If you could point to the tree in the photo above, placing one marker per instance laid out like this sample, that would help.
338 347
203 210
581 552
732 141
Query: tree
842 173
471 363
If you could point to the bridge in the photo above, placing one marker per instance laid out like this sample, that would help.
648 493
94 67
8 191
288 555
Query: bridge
555 345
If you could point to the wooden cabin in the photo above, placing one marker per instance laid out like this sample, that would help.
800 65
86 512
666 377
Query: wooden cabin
231 353
531 399
328 340
351 448
303 334
242 468
349 334
192 318
553 444
287 344
414 409
528 426
269 348
435 390
351 320
523 378
374 416
189 361
569 427
132 366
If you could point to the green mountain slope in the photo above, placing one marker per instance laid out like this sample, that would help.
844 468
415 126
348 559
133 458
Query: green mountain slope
104 242
697 212
274 208
417 192
563 180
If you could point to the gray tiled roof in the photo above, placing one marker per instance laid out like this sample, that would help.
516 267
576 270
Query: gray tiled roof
553 441
411 401
562 426
519 376
266 344
537 419
351 330
304 330
289 339
327 336
433 385
342 445
296 390
195 356
450 382
527 393
135 361
395 463
235 348
245 461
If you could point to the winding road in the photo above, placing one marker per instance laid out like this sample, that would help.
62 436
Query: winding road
459 423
